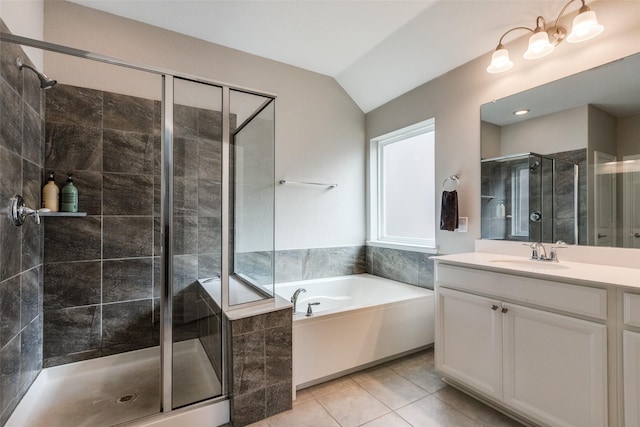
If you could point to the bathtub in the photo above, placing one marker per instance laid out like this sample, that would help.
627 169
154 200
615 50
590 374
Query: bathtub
361 320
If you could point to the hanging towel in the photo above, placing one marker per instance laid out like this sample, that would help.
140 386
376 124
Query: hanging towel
449 211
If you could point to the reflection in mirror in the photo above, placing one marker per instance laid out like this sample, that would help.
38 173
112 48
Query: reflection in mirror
539 192
252 192
583 132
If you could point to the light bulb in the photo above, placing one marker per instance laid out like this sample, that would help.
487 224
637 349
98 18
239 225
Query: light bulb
539 45
500 61
585 26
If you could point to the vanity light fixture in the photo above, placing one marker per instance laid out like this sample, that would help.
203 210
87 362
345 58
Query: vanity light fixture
545 38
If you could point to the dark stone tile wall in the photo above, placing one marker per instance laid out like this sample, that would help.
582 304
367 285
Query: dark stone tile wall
99 269
260 366
210 328
565 214
21 168
197 220
414 268
102 272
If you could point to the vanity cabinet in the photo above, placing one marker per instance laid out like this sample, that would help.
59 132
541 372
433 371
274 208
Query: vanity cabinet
631 360
496 338
471 346
631 366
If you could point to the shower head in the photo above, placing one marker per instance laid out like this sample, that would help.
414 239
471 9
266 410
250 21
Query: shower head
45 82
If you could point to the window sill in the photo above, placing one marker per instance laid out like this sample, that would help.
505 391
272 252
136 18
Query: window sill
403 247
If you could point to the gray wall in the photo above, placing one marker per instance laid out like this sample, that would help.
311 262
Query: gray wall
319 129
454 99
21 161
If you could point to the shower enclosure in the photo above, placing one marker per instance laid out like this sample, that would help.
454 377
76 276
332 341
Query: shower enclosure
529 197
175 225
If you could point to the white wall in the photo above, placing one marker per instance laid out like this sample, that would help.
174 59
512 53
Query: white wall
25 18
454 99
319 129
562 131
628 135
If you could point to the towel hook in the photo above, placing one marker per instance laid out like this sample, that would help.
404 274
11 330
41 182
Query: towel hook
455 179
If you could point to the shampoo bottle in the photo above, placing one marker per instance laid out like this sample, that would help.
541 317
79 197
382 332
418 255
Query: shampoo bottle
500 210
69 198
50 194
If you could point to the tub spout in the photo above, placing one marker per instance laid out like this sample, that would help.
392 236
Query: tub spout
294 298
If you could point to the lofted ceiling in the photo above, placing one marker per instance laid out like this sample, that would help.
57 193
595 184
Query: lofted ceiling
376 50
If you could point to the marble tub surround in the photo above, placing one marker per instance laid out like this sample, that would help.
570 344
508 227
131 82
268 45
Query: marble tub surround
21 169
414 268
315 263
260 365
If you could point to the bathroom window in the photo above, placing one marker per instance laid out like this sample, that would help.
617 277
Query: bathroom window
402 188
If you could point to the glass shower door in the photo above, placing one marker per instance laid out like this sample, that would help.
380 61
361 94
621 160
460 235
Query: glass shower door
196 242
252 197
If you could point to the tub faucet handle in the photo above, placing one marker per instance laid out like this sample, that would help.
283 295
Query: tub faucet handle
310 310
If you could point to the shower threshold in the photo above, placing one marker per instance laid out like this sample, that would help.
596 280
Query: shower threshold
111 390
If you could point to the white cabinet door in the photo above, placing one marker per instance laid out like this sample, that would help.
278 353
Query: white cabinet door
469 340
631 366
555 367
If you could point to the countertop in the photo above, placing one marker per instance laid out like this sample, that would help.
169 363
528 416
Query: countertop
589 274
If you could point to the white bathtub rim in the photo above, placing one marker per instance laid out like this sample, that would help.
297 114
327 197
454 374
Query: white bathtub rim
416 293
301 316
346 277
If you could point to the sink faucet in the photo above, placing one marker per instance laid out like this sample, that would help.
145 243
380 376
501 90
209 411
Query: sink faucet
539 252
294 298
536 247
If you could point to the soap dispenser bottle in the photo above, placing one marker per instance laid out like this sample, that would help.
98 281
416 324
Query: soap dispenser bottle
69 196
50 194
500 209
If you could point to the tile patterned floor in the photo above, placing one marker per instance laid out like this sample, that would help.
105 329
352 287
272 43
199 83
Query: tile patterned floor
401 393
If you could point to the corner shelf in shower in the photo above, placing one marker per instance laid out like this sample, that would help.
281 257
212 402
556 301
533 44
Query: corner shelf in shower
63 214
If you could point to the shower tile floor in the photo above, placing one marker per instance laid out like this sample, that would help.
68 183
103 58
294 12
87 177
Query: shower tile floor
400 393
86 393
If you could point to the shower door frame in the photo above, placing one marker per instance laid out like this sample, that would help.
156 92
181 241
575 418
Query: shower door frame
166 201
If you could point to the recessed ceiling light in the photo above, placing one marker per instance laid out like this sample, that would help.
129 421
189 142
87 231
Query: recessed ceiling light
521 112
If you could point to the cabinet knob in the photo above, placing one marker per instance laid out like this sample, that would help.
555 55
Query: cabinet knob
494 307
504 310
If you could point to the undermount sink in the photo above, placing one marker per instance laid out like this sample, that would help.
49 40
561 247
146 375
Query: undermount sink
529 263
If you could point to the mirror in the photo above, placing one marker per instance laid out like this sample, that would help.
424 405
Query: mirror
569 168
